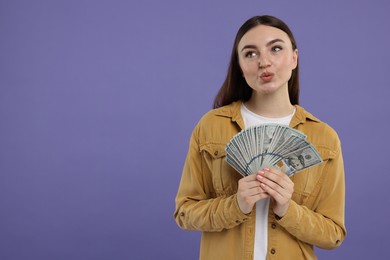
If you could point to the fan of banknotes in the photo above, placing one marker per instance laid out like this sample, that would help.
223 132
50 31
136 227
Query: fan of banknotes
269 145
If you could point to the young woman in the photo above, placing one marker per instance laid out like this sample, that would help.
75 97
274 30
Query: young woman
266 215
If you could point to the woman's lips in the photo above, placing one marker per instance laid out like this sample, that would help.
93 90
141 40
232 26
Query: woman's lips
267 76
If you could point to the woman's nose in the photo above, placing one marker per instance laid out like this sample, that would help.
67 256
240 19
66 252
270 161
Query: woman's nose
264 62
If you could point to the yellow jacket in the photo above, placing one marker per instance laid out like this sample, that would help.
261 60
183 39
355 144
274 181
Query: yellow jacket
206 199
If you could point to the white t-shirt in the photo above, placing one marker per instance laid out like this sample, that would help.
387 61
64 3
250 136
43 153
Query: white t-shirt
261 227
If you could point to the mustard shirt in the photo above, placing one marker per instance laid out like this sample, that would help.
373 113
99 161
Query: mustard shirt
206 198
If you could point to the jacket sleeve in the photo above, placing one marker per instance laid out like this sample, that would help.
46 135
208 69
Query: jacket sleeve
322 226
197 206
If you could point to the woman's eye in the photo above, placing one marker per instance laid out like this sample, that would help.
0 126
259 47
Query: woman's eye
276 48
250 54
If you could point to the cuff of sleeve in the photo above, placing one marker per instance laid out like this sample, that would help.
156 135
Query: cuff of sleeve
292 218
236 214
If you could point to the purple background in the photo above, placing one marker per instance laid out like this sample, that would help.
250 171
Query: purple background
98 100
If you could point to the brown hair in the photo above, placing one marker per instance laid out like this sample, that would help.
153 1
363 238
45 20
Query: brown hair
235 87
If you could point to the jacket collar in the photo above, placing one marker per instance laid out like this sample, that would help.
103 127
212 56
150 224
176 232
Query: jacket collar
301 116
233 111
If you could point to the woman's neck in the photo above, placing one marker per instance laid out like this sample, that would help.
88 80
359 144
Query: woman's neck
268 106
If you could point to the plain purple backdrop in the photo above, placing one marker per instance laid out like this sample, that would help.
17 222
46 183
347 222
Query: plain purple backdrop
98 100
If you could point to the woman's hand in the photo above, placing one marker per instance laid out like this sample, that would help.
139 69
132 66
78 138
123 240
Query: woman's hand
249 192
279 187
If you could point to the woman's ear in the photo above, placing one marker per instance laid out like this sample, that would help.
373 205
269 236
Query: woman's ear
295 59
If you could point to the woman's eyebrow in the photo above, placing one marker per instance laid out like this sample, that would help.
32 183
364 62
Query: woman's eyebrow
250 46
274 41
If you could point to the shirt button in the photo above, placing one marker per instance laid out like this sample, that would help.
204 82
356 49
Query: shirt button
216 153
182 214
273 251
273 225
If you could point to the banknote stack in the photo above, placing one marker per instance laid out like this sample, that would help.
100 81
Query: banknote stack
271 145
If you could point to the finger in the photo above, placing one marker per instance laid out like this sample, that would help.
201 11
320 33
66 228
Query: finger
275 192
251 189
276 176
272 185
256 190
248 182
260 196
270 179
249 178
275 170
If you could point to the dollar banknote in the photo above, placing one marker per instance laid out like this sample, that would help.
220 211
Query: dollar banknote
271 145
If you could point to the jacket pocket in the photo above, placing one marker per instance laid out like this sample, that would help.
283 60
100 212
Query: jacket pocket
224 177
306 181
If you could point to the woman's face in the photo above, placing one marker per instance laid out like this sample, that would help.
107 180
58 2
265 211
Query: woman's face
266 59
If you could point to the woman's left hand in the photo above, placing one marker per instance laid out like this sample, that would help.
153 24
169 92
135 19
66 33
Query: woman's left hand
279 187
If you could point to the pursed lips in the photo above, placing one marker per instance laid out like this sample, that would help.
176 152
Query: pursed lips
267 76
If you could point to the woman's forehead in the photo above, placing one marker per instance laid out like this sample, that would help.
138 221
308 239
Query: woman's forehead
263 34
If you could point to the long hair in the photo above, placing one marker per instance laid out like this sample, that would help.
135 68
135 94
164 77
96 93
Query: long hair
234 87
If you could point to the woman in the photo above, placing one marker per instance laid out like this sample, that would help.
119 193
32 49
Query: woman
267 214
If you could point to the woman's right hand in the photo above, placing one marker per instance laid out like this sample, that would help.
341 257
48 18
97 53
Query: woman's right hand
249 192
